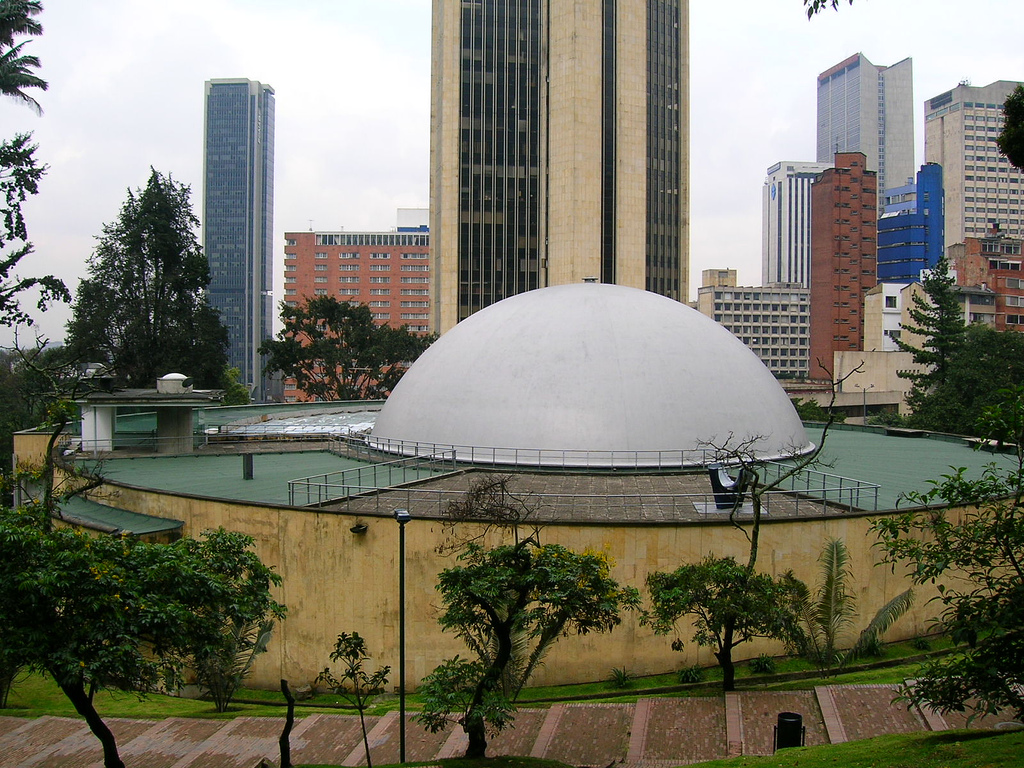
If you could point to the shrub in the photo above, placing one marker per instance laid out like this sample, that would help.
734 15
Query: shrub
920 644
691 674
763 665
620 677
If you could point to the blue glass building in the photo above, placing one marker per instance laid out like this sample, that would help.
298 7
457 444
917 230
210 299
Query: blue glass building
911 231
238 217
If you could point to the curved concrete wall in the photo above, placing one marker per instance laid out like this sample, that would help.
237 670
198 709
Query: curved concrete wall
335 580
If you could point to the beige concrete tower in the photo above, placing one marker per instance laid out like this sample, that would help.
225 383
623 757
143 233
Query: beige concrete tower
559 148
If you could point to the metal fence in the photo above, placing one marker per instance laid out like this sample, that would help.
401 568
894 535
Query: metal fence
320 489
806 493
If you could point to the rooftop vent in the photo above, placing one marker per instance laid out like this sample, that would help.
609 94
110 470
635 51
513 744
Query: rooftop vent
174 384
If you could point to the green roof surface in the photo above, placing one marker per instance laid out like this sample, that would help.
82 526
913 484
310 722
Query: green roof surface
220 476
112 519
897 464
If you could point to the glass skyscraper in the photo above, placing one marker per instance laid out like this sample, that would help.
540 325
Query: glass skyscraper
559 148
238 217
867 108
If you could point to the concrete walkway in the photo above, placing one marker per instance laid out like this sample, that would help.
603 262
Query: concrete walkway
653 733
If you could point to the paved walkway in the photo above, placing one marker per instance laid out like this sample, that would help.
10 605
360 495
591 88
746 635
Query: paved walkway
653 733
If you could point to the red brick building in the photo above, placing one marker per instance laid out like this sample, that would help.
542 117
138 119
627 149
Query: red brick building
844 212
388 271
993 262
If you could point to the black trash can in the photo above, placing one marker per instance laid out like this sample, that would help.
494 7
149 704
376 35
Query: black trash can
789 732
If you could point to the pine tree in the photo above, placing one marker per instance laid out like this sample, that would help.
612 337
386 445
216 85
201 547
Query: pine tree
938 318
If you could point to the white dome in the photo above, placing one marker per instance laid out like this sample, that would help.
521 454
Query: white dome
589 375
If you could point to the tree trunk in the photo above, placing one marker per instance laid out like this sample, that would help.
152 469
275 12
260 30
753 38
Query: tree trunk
476 731
75 691
724 657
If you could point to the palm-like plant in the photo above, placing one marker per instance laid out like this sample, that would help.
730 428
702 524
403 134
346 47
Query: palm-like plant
17 68
827 616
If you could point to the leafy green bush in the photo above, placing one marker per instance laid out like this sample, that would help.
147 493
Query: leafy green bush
620 677
691 674
920 644
763 665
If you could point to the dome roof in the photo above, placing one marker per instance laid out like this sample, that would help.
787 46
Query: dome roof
589 375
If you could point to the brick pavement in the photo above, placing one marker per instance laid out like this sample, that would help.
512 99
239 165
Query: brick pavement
653 733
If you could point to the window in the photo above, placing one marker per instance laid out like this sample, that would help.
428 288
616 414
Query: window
289 278
423 279
289 292
348 291
348 267
379 291
380 255
289 267
415 291
415 316
290 241
320 291
381 315
380 279
319 267
415 303
348 255
381 267
320 279
380 303
890 302
321 254
415 255
348 279
415 268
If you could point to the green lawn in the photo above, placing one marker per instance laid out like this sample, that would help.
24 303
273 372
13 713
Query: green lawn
954 749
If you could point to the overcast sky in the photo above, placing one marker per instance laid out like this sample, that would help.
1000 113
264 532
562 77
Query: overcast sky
352 84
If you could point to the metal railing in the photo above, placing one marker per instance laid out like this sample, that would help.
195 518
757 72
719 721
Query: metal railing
538 458
346 483
807 493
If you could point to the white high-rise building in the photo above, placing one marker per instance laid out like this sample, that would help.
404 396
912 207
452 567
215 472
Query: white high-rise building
870 109
786 222
982 189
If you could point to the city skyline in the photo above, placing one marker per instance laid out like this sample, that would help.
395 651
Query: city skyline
353 108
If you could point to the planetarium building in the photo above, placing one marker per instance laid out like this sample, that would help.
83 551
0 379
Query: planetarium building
600 407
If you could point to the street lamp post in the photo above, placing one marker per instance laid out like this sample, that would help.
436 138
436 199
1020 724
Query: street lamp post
864 390
403 517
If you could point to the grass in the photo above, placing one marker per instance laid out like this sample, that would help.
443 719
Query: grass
37 695
950 749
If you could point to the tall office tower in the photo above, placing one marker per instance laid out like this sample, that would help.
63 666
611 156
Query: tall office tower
982 188
786 222
910 230
559 148
238 217
843 259
869 109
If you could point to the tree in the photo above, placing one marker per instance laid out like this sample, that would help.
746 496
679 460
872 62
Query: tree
335 351
116 612
938 318
986 362
827 616
16 66
19 178
527 590
729 604
143 308
1011 138
235 393
969 540
220 669
355 683
817 6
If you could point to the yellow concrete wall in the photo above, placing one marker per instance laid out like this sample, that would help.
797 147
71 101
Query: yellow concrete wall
337 581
